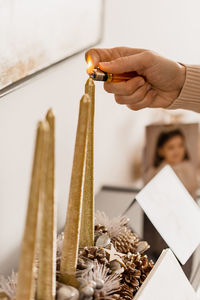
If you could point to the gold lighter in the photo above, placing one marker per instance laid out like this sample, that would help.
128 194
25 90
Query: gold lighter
99 75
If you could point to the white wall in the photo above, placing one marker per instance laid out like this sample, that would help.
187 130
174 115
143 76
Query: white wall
170 27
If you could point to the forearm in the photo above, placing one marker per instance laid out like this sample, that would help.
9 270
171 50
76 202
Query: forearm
189 97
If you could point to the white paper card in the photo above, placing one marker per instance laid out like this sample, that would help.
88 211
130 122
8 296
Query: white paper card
166 281
173 212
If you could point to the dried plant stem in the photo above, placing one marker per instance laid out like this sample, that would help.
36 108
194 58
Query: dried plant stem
87 218
73 219
46 285
25 286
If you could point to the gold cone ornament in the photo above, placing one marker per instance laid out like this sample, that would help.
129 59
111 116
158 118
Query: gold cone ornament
74 210
26 286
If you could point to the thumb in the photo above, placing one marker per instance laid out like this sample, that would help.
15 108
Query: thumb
124 64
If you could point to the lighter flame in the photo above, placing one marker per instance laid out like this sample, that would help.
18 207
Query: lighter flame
90 65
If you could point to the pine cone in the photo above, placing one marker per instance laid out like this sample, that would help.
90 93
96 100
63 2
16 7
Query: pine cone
137 269
93 253
126 241
126 292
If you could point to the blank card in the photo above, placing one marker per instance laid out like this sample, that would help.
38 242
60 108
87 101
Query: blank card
173 212
166 281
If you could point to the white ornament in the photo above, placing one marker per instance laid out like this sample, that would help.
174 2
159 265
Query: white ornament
99 284
87 291
66 292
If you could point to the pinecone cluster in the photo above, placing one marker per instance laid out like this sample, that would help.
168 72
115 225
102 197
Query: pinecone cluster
129 277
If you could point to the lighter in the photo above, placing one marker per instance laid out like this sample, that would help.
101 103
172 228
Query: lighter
99 75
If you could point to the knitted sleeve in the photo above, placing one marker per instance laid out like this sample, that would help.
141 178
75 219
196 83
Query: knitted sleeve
189 97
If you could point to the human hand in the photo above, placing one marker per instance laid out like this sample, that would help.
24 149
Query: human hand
163 81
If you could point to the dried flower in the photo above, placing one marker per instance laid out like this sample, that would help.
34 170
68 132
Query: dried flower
114 226
60 239
99 272
59 246
8 285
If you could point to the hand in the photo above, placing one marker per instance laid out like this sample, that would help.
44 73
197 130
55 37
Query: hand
163 81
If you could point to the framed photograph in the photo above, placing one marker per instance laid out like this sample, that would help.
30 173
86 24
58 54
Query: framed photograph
37 34
175 145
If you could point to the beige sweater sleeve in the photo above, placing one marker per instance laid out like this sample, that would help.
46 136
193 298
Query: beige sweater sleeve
189 97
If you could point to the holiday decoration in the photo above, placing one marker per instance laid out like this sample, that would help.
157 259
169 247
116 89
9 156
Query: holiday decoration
104 260
8 286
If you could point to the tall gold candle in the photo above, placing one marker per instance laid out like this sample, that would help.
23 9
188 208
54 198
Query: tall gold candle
87 218
73 219
46 286
25 285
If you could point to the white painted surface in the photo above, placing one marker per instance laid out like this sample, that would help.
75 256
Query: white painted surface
173 212
169 27
36 34
166 281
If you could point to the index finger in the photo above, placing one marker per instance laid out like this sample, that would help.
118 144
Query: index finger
107 54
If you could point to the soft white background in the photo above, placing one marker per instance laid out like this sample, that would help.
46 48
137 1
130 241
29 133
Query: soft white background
170 27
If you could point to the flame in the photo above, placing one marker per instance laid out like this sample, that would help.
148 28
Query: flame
90 65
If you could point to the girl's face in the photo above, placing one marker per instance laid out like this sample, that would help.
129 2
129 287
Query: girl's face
173 151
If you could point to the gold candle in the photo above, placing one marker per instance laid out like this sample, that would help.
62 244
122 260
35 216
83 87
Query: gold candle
87 218
25 285
73 219
46 286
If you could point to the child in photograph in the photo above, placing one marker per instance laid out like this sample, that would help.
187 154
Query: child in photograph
171 149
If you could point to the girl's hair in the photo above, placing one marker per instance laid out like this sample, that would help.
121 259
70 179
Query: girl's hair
163 138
